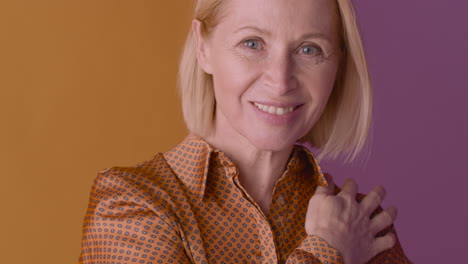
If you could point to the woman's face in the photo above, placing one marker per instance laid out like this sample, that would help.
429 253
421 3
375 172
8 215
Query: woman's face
274 64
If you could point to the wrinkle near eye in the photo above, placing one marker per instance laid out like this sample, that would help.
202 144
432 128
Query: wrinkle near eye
332 57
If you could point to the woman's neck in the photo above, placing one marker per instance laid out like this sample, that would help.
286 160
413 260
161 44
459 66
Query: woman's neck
258 169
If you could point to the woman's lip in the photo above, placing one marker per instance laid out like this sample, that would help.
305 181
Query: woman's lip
276 104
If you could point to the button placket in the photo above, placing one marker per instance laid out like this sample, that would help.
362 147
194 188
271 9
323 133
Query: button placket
281 195
262 223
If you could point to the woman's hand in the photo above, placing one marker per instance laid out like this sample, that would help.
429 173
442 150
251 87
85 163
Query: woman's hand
346 225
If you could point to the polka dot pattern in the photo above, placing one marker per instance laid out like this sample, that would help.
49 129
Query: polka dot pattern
187 206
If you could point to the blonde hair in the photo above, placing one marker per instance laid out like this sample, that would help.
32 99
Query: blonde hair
344 125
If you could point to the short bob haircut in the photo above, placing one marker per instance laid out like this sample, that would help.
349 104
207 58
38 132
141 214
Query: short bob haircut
344 125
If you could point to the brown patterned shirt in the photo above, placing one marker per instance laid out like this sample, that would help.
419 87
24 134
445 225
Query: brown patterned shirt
187 206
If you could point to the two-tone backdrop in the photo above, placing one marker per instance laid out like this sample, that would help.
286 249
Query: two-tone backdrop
86 85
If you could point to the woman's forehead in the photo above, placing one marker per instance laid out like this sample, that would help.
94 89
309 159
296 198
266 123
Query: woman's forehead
318 16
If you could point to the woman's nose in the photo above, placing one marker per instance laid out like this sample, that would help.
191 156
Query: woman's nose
280 74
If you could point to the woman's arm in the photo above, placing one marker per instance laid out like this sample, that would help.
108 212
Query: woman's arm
124 224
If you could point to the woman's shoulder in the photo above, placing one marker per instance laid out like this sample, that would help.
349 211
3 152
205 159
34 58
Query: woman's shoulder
144 173
149 180
150 186
181 171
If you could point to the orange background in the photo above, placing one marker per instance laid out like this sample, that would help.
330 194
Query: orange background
84 85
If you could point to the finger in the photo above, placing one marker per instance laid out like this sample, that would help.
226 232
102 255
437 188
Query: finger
349 188
383 220
383 243
321 190
325 190
373 199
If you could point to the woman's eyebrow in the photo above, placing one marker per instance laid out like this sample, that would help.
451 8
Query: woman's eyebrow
252 28
317 35
314 35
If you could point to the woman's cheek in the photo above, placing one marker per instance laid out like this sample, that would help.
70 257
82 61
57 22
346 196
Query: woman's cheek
322 75
237 72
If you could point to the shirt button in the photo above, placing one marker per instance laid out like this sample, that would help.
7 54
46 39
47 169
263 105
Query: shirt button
281 199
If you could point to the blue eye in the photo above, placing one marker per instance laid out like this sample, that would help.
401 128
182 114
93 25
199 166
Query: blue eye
252 44
310 50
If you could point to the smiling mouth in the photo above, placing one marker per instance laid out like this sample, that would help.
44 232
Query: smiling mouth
275 110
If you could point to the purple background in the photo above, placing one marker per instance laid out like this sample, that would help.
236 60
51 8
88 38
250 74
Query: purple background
418 54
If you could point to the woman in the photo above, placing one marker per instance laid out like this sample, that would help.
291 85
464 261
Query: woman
256 77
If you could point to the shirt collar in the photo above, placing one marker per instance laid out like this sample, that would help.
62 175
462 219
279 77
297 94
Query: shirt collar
304 154
190 161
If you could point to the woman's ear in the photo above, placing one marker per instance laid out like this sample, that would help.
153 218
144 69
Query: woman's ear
202 47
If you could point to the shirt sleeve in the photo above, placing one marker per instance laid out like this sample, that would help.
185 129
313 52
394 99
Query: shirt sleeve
124 224
314 250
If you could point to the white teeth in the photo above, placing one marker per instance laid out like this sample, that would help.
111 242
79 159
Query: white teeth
280 111
274 110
